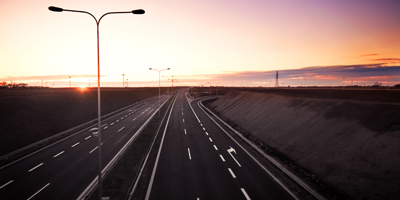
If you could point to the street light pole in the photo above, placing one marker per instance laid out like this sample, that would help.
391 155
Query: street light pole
159 73
138 11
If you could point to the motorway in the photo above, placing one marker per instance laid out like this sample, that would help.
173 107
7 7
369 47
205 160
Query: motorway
197 160
65 169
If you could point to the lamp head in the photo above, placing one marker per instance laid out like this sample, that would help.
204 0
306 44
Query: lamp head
138 11
55 9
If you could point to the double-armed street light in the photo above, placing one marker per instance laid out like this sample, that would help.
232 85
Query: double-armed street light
159 73
138 11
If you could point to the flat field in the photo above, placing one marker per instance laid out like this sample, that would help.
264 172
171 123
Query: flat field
29 115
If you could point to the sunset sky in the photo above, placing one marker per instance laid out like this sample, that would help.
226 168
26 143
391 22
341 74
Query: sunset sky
236 42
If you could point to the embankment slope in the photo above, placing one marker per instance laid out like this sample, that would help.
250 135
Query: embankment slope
29 115
351 145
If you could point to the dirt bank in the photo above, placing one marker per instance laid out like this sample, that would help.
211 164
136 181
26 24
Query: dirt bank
29 115
352 145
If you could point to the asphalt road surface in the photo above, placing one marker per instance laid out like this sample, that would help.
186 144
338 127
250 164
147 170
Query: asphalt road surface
64 170
199 161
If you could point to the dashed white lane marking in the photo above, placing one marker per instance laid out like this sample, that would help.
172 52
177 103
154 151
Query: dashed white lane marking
183 120
6 184
182 113
94 149
36 167
105 127
210 139
222 158
143 112
190 157
117 121
121 129
201 124
122 117
112 124
206 133
134 119
58 154
75 144
215 147
245 194
126 115
103 124
204 128
185 131
38 191
88 137
233 175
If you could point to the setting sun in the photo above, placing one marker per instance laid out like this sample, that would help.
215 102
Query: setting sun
83 87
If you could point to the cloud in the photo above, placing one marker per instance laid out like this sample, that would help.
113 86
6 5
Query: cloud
315 75
372 54
48 77
387 60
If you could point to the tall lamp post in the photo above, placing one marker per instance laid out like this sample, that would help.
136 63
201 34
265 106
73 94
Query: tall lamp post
159 73
138 11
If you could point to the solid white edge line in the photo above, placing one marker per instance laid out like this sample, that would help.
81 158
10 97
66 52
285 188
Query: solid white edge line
6 184
233 175
158 154
59 154
245 194
35 167
38 191
222 158
190 157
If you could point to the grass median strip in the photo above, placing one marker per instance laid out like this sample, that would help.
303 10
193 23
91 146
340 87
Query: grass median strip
118 182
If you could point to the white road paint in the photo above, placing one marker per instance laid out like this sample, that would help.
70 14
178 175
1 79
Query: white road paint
222 158
245 194
126 115
134 119
206 133
58 154
121 129
122 117
233 175
183 120
210 139
6 184
185 131
117 121
88 137
230 150
112 124
201 124
38 191
190 157
105 127
204 128
215 147
36 167
94 149
75 144
182 113
104 124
